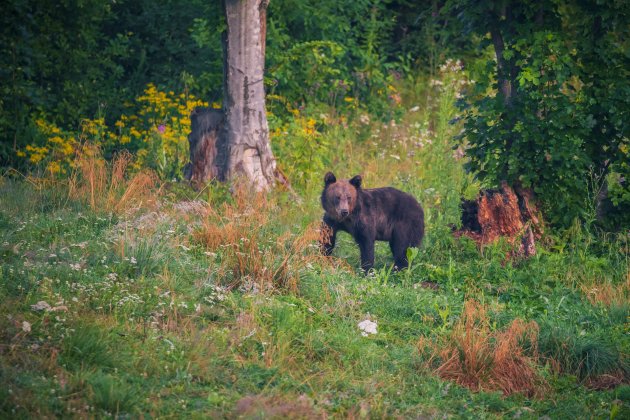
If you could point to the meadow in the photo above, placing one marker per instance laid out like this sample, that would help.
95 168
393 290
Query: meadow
125 296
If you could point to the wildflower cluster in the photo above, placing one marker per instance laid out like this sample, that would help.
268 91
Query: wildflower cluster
452 78
300 146
215 294
57 150
157 132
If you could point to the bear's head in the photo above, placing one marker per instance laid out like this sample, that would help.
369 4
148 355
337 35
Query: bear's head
339 198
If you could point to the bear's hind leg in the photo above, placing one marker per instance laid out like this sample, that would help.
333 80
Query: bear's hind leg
399 251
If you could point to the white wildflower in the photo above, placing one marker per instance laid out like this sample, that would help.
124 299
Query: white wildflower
41 306
26 327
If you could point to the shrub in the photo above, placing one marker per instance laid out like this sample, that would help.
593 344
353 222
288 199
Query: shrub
157 133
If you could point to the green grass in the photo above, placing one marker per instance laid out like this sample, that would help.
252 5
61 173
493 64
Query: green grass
151 322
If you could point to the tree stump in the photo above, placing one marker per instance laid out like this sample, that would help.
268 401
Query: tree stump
207 148
503 212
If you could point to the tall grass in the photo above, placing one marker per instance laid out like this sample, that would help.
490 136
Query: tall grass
163 318
107 185
252 252
586 357
476 357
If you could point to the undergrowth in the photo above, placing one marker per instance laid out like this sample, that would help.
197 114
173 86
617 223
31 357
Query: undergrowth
250 251
481 359
123 298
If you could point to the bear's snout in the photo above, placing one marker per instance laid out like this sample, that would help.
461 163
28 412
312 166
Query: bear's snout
344 212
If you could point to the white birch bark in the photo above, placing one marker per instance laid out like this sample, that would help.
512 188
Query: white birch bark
249 153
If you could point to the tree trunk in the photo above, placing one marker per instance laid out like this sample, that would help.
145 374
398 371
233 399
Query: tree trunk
234 143
248 150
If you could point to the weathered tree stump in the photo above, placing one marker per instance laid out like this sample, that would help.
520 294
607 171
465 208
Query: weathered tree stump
503 212
207 148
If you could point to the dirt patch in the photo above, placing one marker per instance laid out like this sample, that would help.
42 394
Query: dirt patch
261 407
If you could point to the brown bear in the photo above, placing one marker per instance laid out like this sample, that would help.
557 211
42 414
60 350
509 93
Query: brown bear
378 214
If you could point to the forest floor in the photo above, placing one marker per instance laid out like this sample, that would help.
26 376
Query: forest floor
165 302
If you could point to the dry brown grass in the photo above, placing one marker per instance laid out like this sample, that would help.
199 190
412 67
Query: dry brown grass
607 293
480 359
105 186
250 251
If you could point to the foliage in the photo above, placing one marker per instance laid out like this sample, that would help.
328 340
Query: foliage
564 132
216 303
312 70
300 146
535 116
157 134
57 150
65 62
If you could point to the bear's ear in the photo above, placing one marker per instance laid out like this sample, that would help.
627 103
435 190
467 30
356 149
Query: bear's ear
329 178
356 181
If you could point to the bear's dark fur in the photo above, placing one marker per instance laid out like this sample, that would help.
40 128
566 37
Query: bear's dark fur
379 214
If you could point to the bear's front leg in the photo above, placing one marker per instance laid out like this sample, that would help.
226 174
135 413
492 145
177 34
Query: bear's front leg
327 237
366 246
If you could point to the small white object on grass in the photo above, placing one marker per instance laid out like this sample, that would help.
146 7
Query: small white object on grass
367 327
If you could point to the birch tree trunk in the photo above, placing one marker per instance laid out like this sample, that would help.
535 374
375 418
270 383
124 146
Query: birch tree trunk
249 153
234 142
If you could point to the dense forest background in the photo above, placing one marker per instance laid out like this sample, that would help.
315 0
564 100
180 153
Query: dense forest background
126 75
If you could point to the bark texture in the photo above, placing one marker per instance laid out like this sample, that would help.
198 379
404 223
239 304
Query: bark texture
249 153
206 139
234 142
503 212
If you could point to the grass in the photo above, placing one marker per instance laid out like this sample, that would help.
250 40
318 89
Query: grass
480 359
218 305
